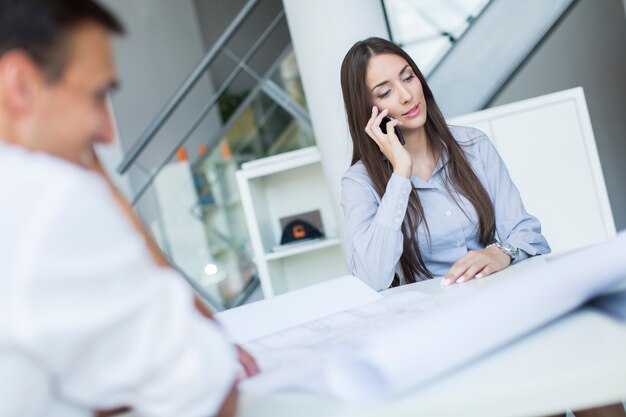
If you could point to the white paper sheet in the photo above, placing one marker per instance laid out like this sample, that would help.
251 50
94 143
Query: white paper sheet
292 309
295 356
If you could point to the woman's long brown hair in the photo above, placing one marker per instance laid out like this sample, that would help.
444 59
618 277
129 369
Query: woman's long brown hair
459 177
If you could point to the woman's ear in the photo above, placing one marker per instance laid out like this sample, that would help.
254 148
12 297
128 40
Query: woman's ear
19 80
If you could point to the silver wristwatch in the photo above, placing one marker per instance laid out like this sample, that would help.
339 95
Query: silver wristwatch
507 248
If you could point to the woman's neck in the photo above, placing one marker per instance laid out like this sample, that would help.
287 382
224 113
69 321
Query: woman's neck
424 157
417 142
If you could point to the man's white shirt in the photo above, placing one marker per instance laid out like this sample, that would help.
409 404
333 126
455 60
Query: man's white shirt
86 318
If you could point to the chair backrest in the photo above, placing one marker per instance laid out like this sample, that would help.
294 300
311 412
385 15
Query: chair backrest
548 146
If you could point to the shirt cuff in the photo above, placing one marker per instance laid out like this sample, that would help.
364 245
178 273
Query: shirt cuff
524 250
394 202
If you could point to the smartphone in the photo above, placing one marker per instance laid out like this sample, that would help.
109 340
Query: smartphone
396 129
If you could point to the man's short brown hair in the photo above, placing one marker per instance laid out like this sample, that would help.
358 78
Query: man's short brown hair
39 28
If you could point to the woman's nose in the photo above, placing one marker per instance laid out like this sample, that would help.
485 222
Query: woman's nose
405 95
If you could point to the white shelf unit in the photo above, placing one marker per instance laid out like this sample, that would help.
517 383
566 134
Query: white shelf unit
284 185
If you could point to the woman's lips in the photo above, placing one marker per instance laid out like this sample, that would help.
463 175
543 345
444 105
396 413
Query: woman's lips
414 111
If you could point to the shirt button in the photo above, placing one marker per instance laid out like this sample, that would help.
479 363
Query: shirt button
458 244
397 220
448 213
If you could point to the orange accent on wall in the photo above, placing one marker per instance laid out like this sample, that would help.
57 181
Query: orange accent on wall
227 153
181 154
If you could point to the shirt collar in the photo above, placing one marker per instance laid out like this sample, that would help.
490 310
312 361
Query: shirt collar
443 159
432 183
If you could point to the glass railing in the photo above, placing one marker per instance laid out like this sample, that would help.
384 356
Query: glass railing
244 101
428 29
192 204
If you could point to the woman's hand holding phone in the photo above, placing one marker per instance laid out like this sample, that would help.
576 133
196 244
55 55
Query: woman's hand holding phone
389 143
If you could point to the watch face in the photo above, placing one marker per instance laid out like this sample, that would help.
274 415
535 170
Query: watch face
512 250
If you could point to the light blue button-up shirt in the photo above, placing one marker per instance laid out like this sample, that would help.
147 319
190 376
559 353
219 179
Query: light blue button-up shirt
373 223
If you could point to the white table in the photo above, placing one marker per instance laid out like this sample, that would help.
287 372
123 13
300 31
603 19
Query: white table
576 362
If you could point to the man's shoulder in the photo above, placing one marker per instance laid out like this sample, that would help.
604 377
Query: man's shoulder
69 211
36 171
44 189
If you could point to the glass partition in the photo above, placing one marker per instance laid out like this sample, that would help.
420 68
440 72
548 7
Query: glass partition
427 29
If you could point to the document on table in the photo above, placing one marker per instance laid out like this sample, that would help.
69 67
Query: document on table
302 349
291 355
295 308
377 347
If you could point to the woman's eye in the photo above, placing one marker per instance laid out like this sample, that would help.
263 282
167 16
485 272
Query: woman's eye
385 94
409 78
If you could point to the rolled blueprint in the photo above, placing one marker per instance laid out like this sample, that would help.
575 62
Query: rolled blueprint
425 347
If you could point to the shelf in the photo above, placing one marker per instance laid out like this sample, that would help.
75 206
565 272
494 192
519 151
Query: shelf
280 163
303 248
221 206
277 187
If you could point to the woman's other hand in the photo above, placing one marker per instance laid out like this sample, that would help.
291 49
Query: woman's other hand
477 264
389 144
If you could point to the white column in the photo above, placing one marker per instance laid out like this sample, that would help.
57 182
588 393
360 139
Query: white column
322 31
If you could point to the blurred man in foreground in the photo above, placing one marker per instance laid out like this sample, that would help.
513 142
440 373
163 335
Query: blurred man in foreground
90 319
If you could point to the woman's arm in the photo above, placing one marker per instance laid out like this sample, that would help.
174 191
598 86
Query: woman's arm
373 227
372 224
514 225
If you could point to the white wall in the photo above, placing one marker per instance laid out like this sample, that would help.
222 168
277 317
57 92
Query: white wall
587 49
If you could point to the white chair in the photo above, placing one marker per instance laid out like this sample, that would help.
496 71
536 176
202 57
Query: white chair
548 146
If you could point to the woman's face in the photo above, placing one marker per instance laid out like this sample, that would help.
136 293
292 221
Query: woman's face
393 85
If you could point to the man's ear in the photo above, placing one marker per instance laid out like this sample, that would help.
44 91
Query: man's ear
20 79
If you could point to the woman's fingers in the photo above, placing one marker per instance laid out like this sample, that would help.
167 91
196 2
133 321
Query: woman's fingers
377 121
373 133
475 264
373 125
389 143
456 271
390 129
471 272
487 270
374 122
465 268
368 126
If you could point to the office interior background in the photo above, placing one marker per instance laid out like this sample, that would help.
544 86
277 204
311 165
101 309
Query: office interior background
230 115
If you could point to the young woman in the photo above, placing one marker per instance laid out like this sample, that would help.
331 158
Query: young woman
443 203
